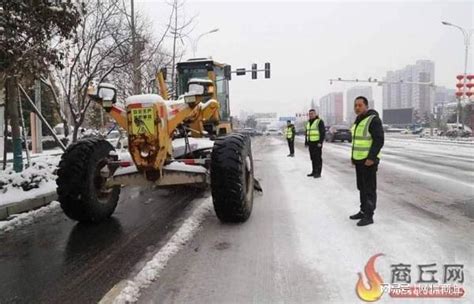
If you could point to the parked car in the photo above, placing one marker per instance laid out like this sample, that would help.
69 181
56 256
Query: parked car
341 133
117 139
249 131
457 133
273 131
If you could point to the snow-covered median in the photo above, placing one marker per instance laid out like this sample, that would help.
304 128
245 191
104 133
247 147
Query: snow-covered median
35 181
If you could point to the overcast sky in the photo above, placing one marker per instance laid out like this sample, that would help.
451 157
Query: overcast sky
309 42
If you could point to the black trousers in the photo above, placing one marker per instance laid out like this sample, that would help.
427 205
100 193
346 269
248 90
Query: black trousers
291 145
367 185
315 154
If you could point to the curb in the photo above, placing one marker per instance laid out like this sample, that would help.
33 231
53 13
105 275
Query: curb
26 205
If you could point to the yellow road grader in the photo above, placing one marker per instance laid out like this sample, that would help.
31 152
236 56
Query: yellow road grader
184 141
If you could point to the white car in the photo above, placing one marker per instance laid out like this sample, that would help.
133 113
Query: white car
274 132
114 138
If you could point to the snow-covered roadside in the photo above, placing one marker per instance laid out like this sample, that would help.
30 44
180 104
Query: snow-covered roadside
28 217
34 181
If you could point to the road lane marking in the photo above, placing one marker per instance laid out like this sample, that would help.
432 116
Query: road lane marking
128 291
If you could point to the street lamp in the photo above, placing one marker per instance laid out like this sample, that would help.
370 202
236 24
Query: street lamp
194 43
467 33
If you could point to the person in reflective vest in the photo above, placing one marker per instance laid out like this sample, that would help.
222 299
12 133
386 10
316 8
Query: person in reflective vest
367 141
315 134
290 137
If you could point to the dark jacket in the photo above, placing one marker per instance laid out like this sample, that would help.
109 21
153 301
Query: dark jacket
292 126
322 132
376 131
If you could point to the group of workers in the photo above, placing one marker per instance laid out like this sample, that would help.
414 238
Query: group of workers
367 141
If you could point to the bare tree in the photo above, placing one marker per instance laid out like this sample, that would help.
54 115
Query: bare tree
103 49
181 28
58 105
146 55
97 50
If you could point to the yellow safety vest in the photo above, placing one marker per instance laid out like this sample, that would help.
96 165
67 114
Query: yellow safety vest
362 139
312 130
289 132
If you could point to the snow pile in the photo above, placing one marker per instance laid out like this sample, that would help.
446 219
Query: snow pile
36 180
144 99
195 144
152 269
27 218
179 166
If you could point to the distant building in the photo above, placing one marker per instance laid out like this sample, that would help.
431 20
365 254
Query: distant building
331 108
402 95
444 95
351 95
398 117
265 120
265 115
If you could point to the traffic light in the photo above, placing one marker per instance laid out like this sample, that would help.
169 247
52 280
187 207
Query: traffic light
240 72
254 71
228 72
267 70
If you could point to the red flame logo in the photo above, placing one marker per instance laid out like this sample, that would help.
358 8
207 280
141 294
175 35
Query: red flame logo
374 280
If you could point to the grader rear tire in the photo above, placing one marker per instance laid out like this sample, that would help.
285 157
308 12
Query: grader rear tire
80 186
232 181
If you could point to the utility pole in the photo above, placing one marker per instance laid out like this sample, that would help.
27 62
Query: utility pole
36 128
194 43
135 53
175 36
467 34
2 116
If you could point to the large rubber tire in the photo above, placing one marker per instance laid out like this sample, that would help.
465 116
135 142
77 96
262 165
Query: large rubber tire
80 190
232 181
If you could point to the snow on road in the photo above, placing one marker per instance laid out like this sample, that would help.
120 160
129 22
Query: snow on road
299 245
130 290
29 217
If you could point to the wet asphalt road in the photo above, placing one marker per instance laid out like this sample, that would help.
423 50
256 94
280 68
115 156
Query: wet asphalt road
56 260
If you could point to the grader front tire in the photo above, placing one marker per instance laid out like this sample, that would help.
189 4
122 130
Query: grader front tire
80 186
232 181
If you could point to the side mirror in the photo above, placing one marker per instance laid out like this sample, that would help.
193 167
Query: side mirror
105 93
195 89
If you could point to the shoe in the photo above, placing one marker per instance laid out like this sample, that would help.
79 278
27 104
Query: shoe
357 216
317 175
365 221
289 155
292 155
309 175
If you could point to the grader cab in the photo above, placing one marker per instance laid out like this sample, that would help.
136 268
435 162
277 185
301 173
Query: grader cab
185 141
